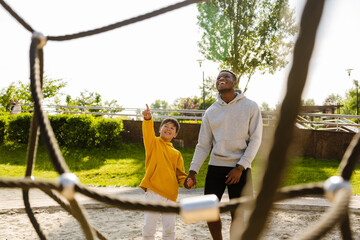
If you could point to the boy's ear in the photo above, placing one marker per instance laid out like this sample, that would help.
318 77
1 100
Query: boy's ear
175 135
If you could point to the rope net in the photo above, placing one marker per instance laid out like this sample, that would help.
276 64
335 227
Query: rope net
259 206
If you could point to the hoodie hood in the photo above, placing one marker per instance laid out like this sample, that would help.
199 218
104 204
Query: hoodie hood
239 95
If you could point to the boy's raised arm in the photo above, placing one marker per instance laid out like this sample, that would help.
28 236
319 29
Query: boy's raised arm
146 113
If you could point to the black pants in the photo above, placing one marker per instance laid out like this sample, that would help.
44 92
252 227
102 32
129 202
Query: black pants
215 182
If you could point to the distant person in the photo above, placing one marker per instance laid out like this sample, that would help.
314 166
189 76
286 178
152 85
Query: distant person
15 107
164 171
12 105
231 129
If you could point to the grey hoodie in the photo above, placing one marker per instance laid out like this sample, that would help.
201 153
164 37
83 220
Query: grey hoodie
234 132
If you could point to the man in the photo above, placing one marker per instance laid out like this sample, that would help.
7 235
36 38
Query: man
232 127
12 105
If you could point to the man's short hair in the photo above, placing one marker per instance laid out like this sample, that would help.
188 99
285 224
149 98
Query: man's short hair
231 72
172 120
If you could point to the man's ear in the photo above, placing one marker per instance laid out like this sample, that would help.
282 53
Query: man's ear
235 83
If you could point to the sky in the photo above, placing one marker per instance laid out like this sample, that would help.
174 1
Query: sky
157 58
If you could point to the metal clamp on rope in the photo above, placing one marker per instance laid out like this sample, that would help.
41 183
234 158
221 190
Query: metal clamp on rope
42 39
68 182
333 184
200 208
32 178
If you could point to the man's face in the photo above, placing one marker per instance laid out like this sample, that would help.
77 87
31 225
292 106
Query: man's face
225 82
12 102
168 131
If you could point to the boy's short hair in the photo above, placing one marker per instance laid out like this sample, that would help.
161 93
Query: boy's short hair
172 120
231 72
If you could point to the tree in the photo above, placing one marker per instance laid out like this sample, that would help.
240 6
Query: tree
93 99
5 95
210 92
265 107
159 104
308 102
332 99
246 36
187 103
86 98
51 91
349 102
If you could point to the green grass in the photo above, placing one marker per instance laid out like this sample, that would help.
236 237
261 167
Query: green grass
125 166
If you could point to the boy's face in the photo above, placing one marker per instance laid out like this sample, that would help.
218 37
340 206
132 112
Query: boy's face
168 131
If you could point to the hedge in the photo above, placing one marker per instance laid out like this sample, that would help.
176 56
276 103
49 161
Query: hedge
83 131
108 132
19 127
3 128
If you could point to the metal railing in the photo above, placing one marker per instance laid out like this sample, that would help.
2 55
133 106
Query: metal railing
134 113
316 121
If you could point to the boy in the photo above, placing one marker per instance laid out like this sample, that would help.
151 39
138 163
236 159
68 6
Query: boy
164 171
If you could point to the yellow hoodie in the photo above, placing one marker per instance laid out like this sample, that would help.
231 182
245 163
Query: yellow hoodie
164 165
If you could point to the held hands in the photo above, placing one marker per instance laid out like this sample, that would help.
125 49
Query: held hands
190 180
189 183
146 113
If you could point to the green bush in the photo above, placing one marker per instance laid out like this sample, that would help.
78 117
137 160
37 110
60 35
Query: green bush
108 132
3 127
57 123
79 131
19 127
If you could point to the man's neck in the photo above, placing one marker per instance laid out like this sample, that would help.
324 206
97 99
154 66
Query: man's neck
228 96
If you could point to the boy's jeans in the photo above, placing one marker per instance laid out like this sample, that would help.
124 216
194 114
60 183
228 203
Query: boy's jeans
151 219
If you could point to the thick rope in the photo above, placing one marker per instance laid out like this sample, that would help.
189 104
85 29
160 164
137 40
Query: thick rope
123 23
68 209
314 189
47 132
284 131
44 123
16 16
345 227
127 203
350 158
31 156
82 219
124 203
331 217
31 215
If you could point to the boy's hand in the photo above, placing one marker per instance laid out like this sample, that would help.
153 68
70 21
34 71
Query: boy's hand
190 180
189 183
146 113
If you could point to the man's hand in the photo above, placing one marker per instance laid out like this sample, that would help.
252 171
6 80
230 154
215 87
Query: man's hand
190 180
146 113
234 175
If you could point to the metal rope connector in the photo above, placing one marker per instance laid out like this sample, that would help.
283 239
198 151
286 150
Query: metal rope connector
333 184
200 208
32 178
68 182
41 37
